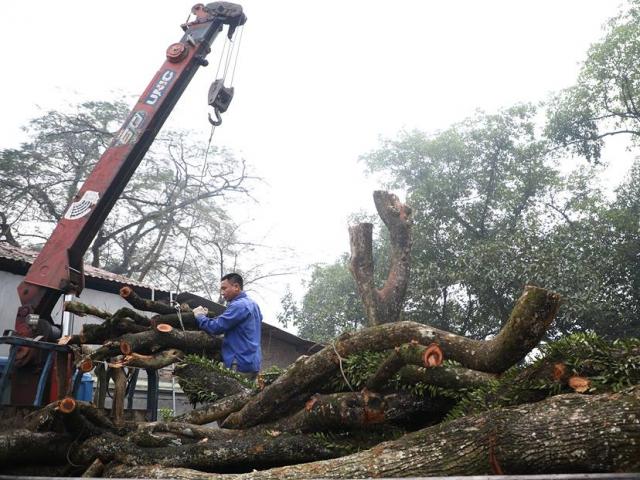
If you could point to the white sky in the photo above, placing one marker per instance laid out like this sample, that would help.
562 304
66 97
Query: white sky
317 83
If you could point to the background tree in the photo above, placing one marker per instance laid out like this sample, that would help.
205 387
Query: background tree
475 189
493 210
174 202
330 305
605 99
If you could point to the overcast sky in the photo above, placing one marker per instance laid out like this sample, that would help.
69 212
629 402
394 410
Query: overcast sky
317 84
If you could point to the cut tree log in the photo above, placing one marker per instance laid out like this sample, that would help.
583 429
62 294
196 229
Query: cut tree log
357 410
569 433
80 309
529 320
126 312
224 451
144 304
409 354
383 305
218 383
216 411
24 447
154 362
153 340
446 376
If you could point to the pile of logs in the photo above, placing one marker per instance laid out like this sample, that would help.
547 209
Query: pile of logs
433 403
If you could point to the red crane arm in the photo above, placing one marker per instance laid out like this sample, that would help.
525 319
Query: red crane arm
58 268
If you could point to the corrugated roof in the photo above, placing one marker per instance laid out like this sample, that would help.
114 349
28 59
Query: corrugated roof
25 257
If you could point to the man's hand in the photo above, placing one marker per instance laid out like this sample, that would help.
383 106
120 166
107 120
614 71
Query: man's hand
200 310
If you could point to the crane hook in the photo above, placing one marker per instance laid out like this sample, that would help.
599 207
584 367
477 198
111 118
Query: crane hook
219 98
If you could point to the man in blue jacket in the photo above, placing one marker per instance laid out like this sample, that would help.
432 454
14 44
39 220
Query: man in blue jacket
241 324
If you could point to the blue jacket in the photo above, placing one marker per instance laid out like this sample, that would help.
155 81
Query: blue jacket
241 324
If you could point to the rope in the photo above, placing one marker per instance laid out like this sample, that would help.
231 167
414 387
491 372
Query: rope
235 62
333 344
229 55
176 305
193 218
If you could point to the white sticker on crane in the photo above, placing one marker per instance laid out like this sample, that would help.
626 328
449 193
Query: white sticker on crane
82 207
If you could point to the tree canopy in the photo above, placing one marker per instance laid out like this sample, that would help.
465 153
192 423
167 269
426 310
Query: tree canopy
174 199
510 198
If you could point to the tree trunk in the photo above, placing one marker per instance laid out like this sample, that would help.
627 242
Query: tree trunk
81 310
528 322
408 354
224 451
357 410
144 304
570 433
450 377
155 340
193 379
216 411
24 447
383 305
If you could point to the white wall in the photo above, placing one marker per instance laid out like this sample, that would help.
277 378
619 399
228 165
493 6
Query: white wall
9 303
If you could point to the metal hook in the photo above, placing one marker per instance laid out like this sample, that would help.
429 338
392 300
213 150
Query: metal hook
217 122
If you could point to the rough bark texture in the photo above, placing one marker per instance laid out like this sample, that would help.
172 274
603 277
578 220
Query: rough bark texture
570 433
216 411
144 304
81 310
27 447
528 322
383 305
193 378
408 354
450 377
155 361
119 395
356 410
153 341
222 451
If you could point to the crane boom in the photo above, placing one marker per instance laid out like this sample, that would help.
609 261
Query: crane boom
58 269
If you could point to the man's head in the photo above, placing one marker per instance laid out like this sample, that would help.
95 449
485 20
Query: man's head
231 286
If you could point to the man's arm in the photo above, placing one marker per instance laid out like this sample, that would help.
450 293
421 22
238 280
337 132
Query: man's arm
232 316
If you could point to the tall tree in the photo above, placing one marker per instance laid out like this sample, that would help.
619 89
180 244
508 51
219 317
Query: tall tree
174 202
474 188
330 305
605 99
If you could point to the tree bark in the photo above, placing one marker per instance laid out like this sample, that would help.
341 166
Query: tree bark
24 447
225 451
193 378
450 377
119 395
154 362
216 411
569 433
154 340
144 304
82 309
528 322
383 305
408 354
357 410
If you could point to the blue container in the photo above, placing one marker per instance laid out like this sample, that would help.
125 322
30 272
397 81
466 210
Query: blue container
6 395
85 392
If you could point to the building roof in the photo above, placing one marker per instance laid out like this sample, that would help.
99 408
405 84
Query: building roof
18 260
